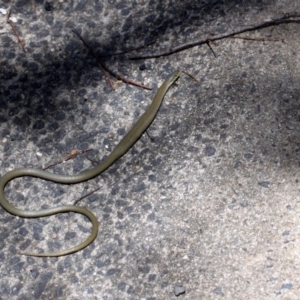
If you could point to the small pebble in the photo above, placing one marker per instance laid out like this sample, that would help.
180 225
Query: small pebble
48 6
3 11
179 290
39 154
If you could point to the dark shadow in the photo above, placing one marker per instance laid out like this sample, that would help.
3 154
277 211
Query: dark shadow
30 82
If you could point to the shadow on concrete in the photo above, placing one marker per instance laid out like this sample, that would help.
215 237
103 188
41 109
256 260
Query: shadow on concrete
29 82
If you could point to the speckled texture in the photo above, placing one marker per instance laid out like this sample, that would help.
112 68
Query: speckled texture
207 210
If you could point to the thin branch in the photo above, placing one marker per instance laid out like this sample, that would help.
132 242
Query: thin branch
130 81
15 30
91 159
211 49
257 39
128 50
190 75
86 195
105 70
8 15
151 138
102 67
71 155
283 18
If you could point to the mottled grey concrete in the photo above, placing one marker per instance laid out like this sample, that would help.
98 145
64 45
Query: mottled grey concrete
207 210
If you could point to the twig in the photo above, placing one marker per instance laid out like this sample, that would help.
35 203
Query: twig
257 39
15 30
102 67
71 155
8 15
283 18
105 70
211 49
124 79
81 198
128 50
151 138
91 159
191 75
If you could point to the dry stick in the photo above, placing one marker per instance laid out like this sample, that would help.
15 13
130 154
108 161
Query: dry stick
128 50
190 75
124 79
105 70
151 138
283 18
257 39
211 49
8 15
15 30
72 154
84 196
92 160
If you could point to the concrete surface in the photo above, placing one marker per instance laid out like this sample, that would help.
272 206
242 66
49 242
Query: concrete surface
210 207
